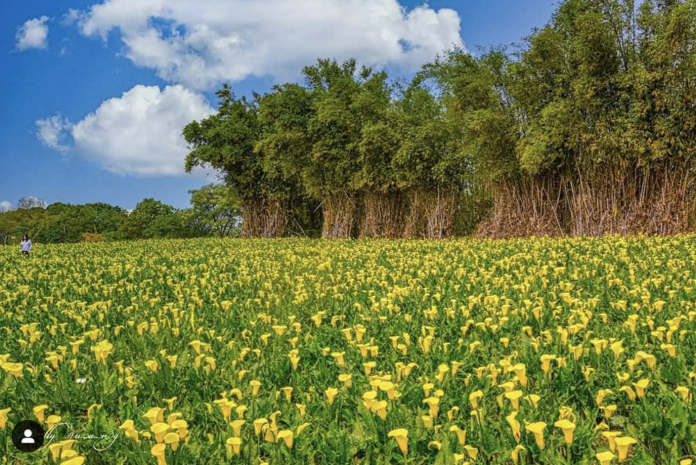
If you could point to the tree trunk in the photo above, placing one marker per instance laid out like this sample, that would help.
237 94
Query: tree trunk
339 215
263 218
638 201
431 214
276 219
384 216
529 207
607 200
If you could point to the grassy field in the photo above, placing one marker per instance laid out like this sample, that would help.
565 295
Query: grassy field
352 352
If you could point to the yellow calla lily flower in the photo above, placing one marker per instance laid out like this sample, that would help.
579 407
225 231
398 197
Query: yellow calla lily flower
401 436
461 434
568 428
623 445
538 430
605 458
641 386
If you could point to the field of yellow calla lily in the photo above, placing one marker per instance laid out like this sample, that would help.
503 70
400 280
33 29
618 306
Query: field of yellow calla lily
298 351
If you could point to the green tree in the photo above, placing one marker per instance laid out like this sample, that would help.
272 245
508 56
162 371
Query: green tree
14 223
384 204
587 129
151 219
476 92
226 141
431 162
215 210
319 140
68 223
167 226
285 148
334 135
7 225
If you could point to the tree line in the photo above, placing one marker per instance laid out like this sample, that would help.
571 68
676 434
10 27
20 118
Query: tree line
214 212
586 127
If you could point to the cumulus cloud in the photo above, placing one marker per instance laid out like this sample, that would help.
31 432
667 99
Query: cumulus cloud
138 133
32 34
52 131
201 44
5 206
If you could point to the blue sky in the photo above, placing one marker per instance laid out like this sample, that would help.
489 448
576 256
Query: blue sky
63 61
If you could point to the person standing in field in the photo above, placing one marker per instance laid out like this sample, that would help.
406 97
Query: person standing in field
25 244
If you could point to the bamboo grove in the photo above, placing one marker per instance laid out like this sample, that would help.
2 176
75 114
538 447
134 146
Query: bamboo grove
586 127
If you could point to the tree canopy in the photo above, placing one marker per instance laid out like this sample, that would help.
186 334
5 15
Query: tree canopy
584 127
214 212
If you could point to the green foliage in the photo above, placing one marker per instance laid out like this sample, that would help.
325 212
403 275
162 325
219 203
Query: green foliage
607 86
420 124
65 223
473 206
215 210
154 219
378 143
14 223
474 91
603 83
225 141
335 128
284 114
588 120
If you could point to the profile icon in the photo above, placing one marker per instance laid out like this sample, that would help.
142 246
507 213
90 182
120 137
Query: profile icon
28 436
27 439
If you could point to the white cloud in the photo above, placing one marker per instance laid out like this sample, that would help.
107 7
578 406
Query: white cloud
32 34
5 206
71 17
201 44
51 132
138 133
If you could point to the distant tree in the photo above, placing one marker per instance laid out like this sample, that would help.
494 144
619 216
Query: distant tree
26 203
17 222
101 218
167 226
68 223
5 206
150 218
215 209
6 227
59 225
65 223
